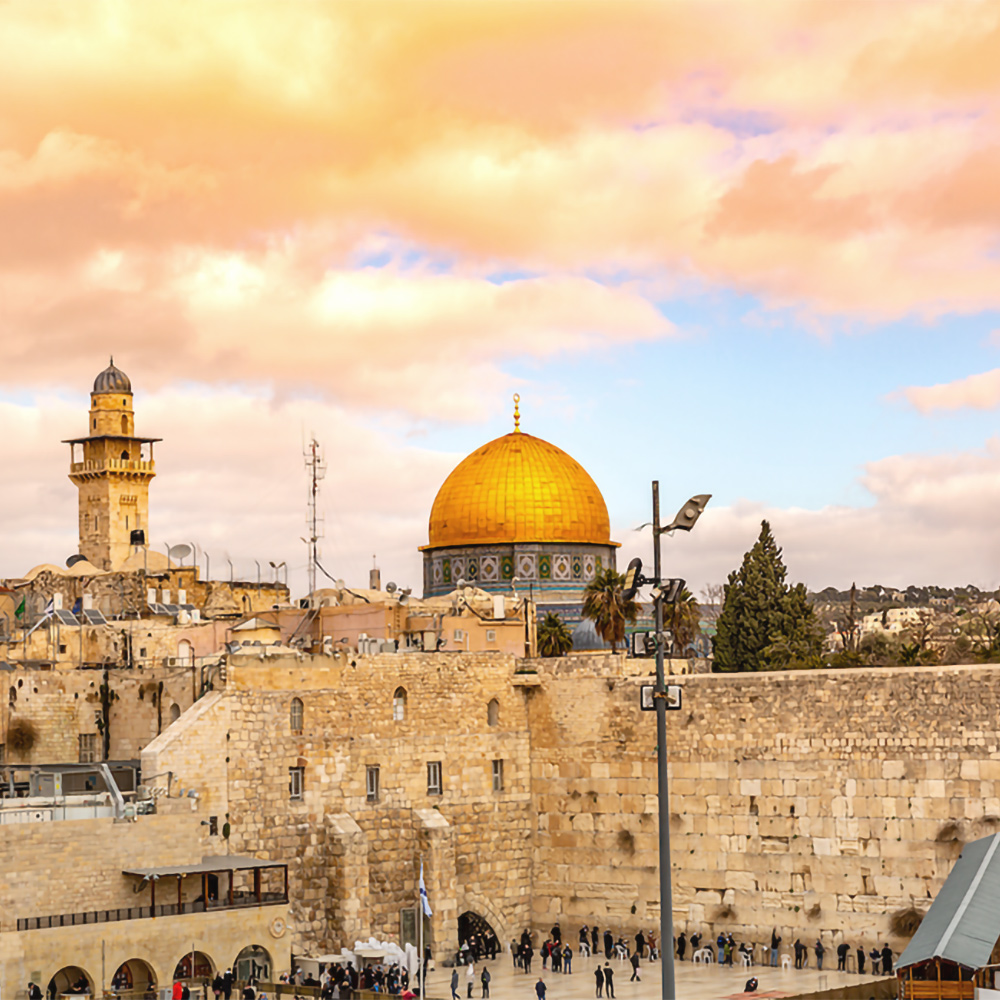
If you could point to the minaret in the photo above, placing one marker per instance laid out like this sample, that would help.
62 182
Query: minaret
112 471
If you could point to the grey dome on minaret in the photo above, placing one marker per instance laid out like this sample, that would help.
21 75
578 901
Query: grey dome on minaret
112 379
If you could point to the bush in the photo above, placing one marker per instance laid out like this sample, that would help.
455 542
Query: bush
21 736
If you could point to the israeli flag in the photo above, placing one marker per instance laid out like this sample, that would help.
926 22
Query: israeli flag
424 902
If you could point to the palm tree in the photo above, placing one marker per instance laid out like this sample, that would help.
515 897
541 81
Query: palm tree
604 605
554 638
683 619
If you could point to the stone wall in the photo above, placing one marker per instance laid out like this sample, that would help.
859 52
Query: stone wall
355 863
62 705
820 803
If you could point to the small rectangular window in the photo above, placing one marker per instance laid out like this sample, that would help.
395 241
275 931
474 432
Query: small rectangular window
3 753
459 635
88 748
498 776
434 777
491 635
213 826
296 782
371 783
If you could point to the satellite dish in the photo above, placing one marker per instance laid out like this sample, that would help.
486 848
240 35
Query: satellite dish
391 588
73 560
181 551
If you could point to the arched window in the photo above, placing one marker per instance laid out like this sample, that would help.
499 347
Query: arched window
295 715
175 712
124 454
185 651
124 424
399 705
493 712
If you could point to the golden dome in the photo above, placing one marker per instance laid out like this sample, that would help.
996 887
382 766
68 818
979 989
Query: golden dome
518 488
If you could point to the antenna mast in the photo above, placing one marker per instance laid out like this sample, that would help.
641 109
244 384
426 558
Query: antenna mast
316 468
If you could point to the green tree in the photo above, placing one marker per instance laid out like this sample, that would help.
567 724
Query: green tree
554 637
765 624
604 605
683 619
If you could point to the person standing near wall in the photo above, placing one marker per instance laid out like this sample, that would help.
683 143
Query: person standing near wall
775 941
842 951
820 952
681 947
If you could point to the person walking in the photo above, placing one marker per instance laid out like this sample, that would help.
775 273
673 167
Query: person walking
454 984
540 988
653 950
470 978
682 943
842 951
640 943
820 952
599 977
227 984
484 978
527 954
609 981
635 967
775 941
567 960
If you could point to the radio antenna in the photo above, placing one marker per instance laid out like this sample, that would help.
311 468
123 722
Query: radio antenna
316 470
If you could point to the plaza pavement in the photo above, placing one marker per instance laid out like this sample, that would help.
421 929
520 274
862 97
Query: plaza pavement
694 982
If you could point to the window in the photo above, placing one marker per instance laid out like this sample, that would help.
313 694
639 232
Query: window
371 782
491 635
125 430
296 782
498 776
433 777
124 455
213 826
88 748
175 712
295 715
399 705
493 712
459 635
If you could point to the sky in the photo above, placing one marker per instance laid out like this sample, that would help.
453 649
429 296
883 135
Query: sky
745 249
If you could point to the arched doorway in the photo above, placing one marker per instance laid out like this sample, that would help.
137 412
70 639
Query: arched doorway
185 653
136 977
478 931
70 979
253 962
203 967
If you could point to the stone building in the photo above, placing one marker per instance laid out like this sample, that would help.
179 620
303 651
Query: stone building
519 514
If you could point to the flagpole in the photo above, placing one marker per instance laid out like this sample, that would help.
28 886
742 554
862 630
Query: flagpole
421 978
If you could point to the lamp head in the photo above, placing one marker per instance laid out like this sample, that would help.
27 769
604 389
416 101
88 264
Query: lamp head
688 514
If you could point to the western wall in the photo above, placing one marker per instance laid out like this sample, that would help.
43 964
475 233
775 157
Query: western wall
825 802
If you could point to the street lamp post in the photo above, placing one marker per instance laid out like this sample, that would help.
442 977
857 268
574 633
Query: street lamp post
662 784
670 591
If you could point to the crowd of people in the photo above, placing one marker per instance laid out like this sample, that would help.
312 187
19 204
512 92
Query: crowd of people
726 949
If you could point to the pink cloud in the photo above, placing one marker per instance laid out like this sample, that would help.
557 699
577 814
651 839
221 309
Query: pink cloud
977 392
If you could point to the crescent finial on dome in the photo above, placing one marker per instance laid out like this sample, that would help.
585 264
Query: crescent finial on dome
517 414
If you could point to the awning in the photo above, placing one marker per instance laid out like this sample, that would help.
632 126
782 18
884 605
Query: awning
218 863
963 923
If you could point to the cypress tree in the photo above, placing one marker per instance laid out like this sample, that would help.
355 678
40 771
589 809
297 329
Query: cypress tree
764 624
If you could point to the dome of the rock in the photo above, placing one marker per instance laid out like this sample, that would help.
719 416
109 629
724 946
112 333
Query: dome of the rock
519 513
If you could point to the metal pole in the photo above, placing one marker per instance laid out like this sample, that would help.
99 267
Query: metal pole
668 991
421 977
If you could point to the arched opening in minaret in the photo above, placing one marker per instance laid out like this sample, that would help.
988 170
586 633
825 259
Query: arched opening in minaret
124 455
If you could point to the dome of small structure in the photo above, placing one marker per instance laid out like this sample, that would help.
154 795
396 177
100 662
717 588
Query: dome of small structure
518 488
112 379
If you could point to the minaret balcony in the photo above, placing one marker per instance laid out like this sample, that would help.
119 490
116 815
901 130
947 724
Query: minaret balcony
100 466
